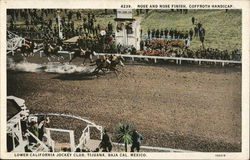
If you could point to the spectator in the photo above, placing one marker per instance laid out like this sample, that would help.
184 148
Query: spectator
136 141
149 33
191 34
193 20
106 142
196 30
33 129
41 127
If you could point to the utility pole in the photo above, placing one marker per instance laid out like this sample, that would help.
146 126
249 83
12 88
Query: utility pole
59 25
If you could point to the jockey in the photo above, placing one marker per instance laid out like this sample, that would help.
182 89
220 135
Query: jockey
105 59
82 52
51 47
111 57
26 45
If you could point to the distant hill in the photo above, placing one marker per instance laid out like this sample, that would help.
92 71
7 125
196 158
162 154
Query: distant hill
223 29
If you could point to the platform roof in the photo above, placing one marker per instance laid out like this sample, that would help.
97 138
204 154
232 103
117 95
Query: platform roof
72 40
12 108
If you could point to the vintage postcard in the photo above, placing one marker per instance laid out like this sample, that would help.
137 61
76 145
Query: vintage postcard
124 79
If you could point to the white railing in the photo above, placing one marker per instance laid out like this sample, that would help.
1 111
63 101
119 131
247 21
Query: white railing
42 147
61 52
39 48
65 115
13 42
155 58
84 138
50 142
178 59
71 136
86 135
156 148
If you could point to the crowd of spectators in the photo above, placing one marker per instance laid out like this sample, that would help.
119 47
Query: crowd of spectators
169 34
43 24
178 48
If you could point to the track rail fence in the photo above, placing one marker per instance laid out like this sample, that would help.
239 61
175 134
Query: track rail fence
177 59
155 58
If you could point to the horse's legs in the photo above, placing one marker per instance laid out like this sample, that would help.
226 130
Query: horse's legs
91 61
103 70
96 70
72 59
25 59
83 61
48 58
116 71
32 53
59 56
91 58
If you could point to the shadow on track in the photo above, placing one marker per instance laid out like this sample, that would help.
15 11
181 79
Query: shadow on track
75 76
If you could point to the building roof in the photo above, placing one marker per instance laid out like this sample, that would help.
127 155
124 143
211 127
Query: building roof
72 40
12 108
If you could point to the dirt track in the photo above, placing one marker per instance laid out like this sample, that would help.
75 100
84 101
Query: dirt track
177 106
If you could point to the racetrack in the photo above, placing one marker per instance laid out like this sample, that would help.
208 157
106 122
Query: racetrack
187 107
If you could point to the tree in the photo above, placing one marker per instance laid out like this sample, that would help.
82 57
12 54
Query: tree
123 134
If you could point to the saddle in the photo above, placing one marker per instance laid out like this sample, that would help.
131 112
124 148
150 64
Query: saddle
26 46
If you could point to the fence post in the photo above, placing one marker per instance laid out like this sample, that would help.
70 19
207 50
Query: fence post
72 141
48 137
70 55
101 131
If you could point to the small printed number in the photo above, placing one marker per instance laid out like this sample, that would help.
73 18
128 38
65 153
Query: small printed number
220 155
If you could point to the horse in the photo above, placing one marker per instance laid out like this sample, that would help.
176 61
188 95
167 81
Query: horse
86 54
26 50
50 51
108 63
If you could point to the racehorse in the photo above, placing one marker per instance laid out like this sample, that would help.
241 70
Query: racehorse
86 54
109 63
26 50
50 51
